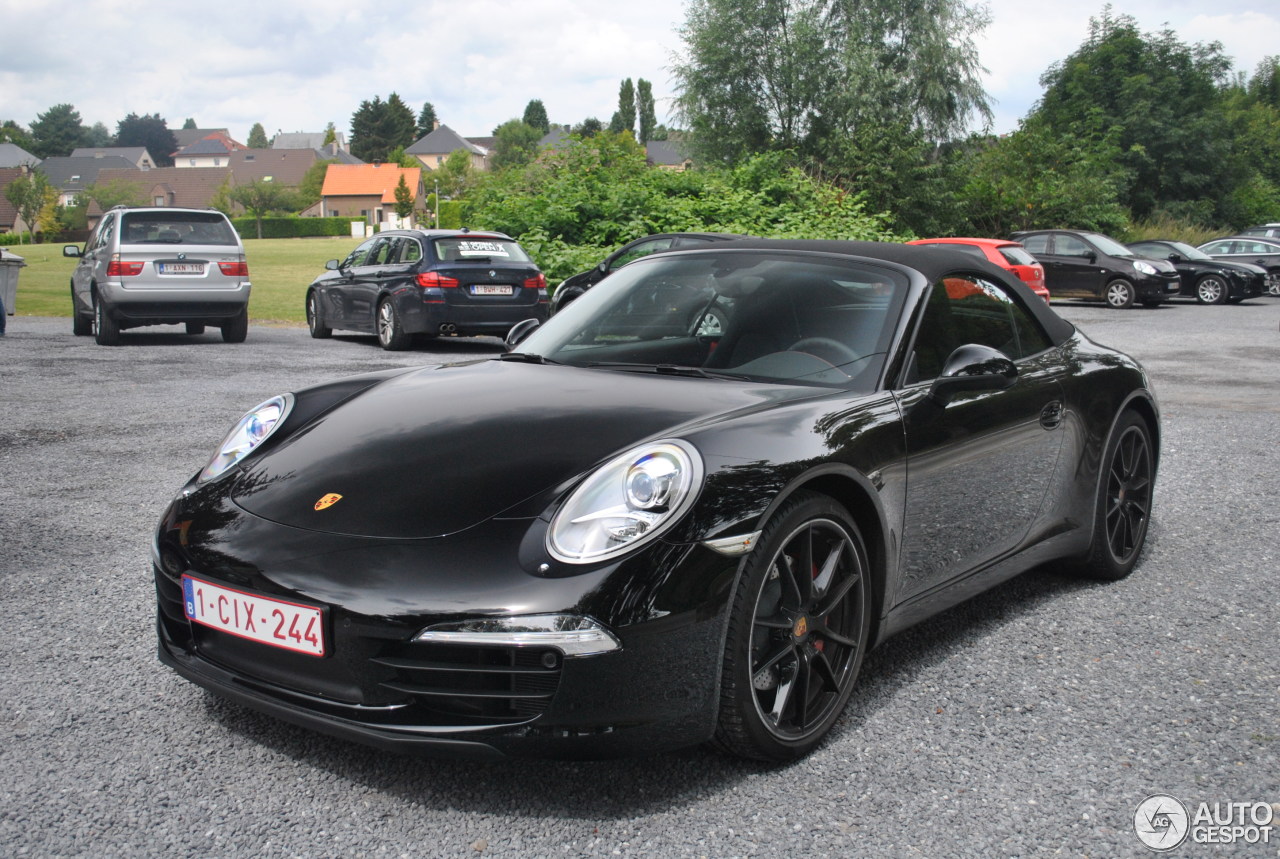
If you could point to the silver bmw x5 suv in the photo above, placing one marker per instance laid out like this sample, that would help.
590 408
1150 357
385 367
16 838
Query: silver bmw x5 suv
160 266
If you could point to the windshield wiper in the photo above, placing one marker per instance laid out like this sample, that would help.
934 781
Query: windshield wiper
663 369
526 358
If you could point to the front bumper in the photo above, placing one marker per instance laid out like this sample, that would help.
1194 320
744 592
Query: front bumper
1154 288
380 687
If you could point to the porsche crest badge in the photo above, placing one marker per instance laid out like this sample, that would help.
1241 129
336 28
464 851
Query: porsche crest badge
328 501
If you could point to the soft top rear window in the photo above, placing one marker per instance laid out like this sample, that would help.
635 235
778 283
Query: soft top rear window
479 249
176 228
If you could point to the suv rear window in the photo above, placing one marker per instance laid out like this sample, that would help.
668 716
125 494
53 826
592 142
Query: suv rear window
463 248
176 228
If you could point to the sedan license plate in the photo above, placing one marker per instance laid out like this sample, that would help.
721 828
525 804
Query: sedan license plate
1172 287
287 625
181 268
492 289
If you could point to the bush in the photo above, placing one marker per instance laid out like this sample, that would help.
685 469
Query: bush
293 227
15 238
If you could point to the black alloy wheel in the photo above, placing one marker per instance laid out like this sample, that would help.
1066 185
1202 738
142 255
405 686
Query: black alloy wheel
797 633
1124 501
1119 293
1211 289
315 324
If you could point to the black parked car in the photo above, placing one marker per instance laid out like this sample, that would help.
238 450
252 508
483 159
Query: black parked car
574 286
1091 265
429 282
1207 280
1251 251
626 536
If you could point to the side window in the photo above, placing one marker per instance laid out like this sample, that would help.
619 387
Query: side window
358 256
1217 248
105 231
641 250
410 250
382 252
964 310
1036 244
1070 246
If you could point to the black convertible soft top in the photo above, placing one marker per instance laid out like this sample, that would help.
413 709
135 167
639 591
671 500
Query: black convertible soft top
934 263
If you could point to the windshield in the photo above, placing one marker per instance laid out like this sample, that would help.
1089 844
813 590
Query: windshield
1109 246
176 228
479 248
1189 252
751 315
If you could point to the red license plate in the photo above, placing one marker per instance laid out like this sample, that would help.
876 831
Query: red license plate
279 623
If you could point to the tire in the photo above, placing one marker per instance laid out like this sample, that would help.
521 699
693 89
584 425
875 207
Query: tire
315 323
712 324
1212 289
1118 293
1273 284
106 332
789 668
236 329
1122 508
391 333
195 327
81 325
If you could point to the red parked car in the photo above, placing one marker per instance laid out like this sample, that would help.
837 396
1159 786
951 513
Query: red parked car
1004 253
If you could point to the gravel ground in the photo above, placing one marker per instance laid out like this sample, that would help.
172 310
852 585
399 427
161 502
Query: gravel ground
1030 721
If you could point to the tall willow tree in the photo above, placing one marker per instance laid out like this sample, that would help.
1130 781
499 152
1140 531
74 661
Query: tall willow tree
804 74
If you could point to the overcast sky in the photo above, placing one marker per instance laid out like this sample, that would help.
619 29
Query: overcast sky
296 66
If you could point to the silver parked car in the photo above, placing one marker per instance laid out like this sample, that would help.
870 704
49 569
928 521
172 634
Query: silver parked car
160 266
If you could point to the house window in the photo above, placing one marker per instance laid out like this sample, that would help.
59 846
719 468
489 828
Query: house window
217 162
157 201
191 162
439 160
248 158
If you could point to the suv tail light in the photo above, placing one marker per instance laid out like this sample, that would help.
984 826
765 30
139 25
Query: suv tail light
435 278
539 282
234 269
123 268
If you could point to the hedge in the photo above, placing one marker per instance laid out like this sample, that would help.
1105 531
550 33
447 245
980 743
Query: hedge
294 228
15 238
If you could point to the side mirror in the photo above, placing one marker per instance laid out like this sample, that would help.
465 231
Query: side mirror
603 267
71 251
973 368
1091 256
520 331
1175 257
333 265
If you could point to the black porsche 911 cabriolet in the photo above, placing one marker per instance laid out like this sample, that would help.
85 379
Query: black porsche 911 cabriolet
627 534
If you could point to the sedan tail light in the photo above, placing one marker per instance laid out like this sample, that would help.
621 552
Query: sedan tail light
123 268
538 282
234 269
435 278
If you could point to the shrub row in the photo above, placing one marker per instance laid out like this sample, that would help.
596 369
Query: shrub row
293 228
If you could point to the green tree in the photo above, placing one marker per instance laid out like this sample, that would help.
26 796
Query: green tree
12 132
378 127
151 132
404 199
804 75
516 144
1264 86
402 127
456 176
311 188
647 117
625 117
261 197
189 124
427 120
97 136
535 116
57 131
330 134
258 137
30 194
589 127
115 192
399 157
1161 100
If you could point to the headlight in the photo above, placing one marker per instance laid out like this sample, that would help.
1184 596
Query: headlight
1144 267
251 430
626 502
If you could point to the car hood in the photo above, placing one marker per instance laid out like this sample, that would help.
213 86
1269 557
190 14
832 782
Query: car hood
439 450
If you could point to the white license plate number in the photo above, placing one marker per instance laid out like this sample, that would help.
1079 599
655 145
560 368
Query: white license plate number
1172 287
278 623
492 289
181 268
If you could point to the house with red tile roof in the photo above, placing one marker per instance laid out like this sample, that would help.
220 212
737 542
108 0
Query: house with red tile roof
212 150
369 191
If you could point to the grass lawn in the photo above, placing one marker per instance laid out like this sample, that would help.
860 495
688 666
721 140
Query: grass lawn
281 270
